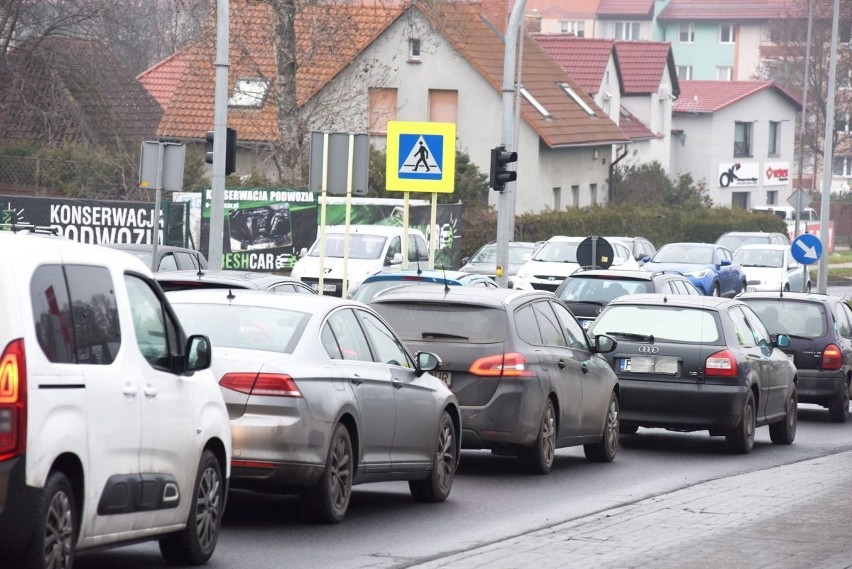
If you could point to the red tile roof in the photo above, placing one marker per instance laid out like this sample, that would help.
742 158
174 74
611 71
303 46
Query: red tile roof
163 78
584 59
642 64
633 127
349 30
725 10
634 9
712 96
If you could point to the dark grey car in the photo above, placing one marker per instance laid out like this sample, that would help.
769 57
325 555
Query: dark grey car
197 280
691 363
525 375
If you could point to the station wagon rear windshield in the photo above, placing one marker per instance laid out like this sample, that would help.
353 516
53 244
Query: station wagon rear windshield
803 319
669 323
603 289
424 322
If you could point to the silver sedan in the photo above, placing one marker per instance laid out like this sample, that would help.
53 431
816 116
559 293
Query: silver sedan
323 395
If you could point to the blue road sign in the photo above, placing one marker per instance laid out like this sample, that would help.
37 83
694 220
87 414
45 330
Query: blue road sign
806 248
420 156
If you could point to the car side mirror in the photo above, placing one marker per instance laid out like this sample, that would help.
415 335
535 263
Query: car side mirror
426 361
465 260
782 341
302 252
646 258
604 344
725 262
198 353
397 259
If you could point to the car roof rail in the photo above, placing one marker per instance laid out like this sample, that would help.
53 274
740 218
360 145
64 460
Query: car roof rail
30 228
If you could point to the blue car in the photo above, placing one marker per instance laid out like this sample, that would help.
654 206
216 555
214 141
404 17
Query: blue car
389 278
711 268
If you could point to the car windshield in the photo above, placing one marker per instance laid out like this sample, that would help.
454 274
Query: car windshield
601 289
734 242
518 255
248 327
557 252
361 246
791 317
770 258
670 323
442 322
684 254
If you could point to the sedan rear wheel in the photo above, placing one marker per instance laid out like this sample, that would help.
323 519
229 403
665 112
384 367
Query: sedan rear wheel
838 407
605 450
783 432
437 486
539 458
328 500
741 439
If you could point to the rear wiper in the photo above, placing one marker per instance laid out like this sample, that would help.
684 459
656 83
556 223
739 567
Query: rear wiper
797 336
632 336
593 302
443 335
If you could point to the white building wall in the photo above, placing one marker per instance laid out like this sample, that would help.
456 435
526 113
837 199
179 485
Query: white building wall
747 55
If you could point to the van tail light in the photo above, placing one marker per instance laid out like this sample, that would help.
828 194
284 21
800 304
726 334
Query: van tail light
721 364
832 358
501 365
13 401
261 384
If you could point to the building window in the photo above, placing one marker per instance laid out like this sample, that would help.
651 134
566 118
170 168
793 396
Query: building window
593 194
684 72
841 122
557 199
686 33
739 200
414 49
443 105
742 139
576 27
627 31
843 166
724 73
772 197
575 196
382 110
726 33
249 93
774 138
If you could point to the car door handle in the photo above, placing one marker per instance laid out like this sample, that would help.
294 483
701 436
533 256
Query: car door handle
130 390
397 384
585 368
150 391
356 380
561 364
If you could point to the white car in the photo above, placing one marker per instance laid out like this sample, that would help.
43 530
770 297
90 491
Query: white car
771 268
556 259
112 427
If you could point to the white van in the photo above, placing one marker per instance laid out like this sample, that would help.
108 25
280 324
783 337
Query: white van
788 213
112 427
371 248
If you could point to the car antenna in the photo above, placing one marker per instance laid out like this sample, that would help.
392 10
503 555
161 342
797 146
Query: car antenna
230 294
446 284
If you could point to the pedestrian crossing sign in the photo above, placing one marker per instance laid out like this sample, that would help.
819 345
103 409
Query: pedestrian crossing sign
421 157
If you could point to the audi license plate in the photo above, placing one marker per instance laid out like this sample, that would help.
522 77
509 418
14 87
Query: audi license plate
445 376
649 364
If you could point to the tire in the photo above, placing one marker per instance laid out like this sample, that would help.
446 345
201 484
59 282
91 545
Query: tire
838 407
538 459
328 500
55 538
194 545
741 439
606 449
784 432
743 286
627 428
787 287
437 486
715 290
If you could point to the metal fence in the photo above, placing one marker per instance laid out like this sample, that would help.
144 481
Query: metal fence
25 174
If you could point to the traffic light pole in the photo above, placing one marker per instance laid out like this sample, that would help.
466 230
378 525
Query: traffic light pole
506 198
220 123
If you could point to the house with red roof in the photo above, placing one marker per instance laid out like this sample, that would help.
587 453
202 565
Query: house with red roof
737 136
625 20
375 64
559 17
634 82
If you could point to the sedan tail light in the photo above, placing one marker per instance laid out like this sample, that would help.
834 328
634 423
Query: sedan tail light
832 358
721 364
505 365
265 384
13 401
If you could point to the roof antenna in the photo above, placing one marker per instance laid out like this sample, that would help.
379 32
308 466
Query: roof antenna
446 284
230 294
419 270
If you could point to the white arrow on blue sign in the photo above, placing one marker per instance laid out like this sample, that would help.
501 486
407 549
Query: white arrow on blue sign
806 248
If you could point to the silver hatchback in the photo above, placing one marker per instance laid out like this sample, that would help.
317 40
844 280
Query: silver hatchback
323 395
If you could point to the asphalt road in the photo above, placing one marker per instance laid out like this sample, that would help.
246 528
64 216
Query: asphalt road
492 499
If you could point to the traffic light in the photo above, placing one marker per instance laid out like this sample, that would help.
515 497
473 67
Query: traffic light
500 157
230 150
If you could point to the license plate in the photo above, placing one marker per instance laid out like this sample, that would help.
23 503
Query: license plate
649 364
445 376
751 289
325 287
586 323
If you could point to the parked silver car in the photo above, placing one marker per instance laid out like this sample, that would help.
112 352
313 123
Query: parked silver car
323 395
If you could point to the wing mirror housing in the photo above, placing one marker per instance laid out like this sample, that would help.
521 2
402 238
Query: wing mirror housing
198 353
426 361
604 344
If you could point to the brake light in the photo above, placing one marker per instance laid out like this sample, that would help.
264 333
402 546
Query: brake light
832 358
13 401
721 364
267 384
505 365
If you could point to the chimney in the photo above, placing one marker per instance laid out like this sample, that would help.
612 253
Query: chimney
497 13
532 22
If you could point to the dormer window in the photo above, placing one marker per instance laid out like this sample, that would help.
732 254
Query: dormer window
413 49
249 93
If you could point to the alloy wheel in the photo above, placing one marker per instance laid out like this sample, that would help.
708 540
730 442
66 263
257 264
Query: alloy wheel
208 508
59 532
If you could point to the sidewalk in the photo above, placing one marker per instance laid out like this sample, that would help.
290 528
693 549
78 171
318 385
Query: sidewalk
795 516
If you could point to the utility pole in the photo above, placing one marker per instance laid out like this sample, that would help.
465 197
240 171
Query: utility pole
506 198
828 151
803 126
220 125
